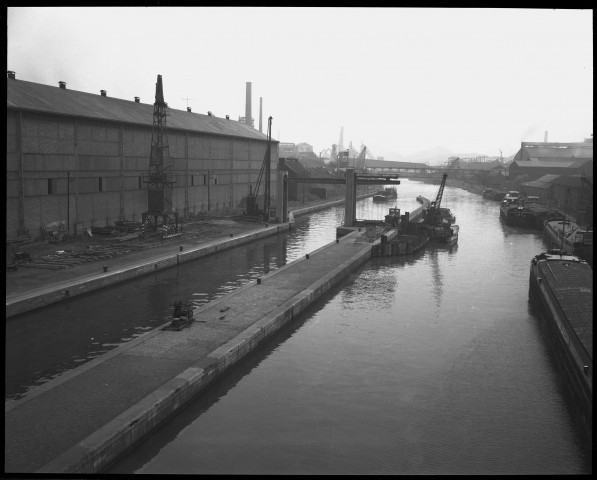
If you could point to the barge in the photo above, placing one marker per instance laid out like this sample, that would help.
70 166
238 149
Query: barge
515 214
570 237
561 285
491 194
388 193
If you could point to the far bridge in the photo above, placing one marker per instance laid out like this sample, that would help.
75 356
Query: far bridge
351 180
426 172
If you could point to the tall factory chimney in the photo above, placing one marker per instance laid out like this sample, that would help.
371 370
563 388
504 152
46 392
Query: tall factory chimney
248 118
260 111
545 138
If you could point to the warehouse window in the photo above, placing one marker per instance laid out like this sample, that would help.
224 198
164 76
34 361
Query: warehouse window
51 186
192 180
204 179
101 184
140 183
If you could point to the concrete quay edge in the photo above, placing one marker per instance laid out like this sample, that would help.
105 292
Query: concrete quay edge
41 297
34 299
103 446
67 375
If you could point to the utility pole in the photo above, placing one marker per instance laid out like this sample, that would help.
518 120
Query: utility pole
268 159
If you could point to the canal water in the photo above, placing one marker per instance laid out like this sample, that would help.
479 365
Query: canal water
429 364
42 344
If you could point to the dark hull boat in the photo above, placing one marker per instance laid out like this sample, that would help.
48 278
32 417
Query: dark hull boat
388 193
444 233
570 237
516 215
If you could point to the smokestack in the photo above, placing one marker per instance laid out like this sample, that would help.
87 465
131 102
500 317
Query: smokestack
137 99
260 111
62 85
545 138
11 74
103 92
248 106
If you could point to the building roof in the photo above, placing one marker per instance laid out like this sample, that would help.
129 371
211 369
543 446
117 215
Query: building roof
545 181
556 150
569 181
534 162
35 97
294 166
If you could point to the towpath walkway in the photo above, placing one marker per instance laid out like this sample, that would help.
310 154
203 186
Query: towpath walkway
82 420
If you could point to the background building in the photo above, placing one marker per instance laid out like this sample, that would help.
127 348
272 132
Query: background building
534 160
78 159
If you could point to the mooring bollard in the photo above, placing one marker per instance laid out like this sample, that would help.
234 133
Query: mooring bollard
231 235
180 248
307 256
337 240
258 281
105 268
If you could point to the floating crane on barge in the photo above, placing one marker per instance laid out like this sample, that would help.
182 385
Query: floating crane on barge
434 214
439 222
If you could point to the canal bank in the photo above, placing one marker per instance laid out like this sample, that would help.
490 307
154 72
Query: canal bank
93 276
82 420
39 288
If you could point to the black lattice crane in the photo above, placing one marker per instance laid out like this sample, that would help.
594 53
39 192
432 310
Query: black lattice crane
159 180
432 213
252 206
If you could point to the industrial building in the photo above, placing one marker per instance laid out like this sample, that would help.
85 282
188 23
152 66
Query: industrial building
76 160
560 174
534 160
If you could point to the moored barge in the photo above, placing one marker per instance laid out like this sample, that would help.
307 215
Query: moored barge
561 285
570 237
515 214
388 193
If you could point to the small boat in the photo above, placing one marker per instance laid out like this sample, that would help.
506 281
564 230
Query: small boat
516 214
540 212
388 193
437 215
569 236
491 194
447 215
512 196
444 233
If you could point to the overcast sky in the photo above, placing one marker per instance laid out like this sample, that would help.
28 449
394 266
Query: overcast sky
398 80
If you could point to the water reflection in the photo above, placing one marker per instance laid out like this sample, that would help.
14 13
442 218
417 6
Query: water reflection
380 378
42 344
437 277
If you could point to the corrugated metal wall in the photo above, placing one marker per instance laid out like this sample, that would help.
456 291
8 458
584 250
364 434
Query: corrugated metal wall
107 162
